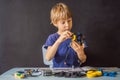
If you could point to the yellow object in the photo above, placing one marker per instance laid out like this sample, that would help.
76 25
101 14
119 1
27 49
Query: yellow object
93 73
99 73
74 37
19 75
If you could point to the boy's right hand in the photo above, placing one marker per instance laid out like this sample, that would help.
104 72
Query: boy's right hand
65 35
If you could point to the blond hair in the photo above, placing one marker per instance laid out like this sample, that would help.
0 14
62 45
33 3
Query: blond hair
60 11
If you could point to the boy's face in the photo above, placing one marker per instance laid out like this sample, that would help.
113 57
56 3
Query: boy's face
64 25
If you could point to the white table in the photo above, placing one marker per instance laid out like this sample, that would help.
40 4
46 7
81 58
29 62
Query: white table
8 75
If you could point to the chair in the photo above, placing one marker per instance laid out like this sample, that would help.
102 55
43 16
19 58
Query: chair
49 63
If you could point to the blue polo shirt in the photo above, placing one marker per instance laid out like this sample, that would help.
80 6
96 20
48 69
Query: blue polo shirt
65 55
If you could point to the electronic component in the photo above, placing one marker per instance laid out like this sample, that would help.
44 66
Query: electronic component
63 72
27 73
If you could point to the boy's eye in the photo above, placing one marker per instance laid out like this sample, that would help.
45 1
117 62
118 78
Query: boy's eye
63 22
69 20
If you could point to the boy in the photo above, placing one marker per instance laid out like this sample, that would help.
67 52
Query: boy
60 48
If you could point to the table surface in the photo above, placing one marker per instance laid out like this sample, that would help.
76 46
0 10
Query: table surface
8 75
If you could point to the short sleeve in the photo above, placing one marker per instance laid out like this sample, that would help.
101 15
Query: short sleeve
50 40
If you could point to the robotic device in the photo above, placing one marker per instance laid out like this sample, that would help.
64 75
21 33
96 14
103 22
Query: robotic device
78 37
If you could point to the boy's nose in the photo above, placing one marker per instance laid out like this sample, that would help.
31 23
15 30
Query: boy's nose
66 24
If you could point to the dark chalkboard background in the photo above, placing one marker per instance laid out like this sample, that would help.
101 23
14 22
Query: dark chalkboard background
25 25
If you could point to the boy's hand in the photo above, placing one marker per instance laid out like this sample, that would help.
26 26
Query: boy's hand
76 46
79 49
65 35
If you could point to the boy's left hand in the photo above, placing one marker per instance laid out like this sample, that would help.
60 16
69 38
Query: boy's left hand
76 46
